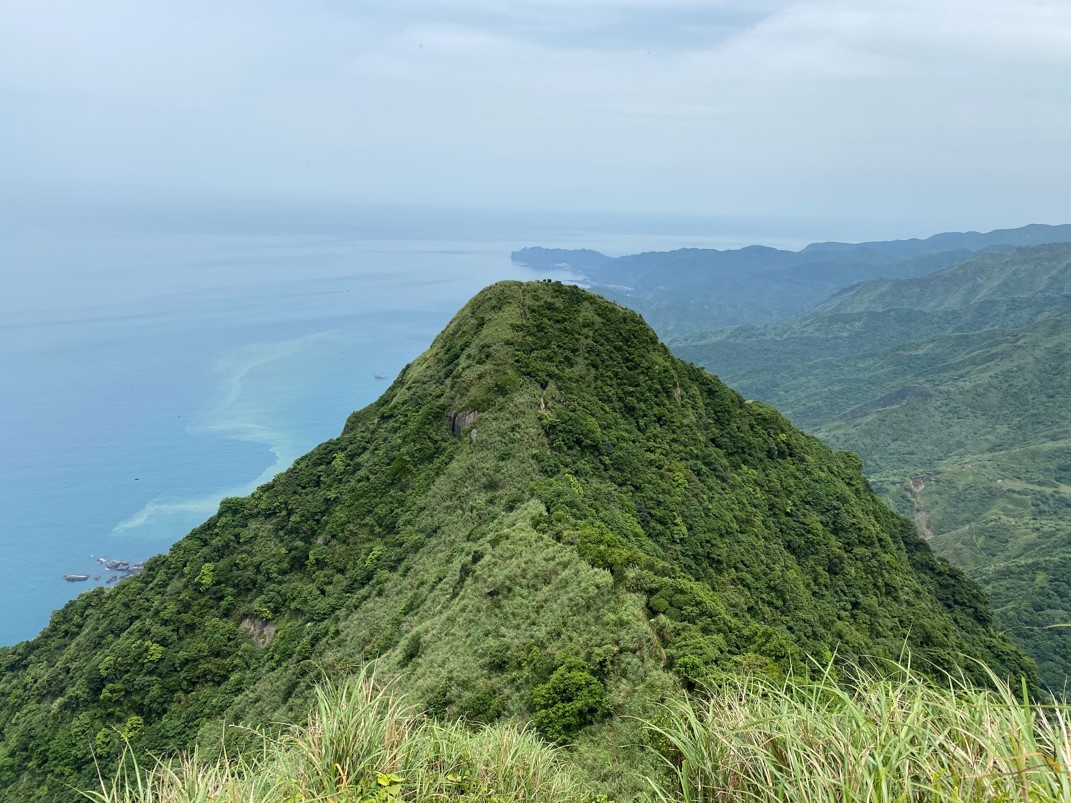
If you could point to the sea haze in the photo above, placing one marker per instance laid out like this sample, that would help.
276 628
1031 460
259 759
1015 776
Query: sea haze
150 370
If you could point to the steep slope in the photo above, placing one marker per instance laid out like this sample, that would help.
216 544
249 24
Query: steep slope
692 289
956 390
545 516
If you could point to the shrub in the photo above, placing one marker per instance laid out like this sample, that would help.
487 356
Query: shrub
570 700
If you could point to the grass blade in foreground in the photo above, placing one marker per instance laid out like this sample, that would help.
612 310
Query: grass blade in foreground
889 740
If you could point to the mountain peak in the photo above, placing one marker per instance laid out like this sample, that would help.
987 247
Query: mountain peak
546 515
515 333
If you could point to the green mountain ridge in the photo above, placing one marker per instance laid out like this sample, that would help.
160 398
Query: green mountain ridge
692 289
988 292
546 517
1030 273
954 388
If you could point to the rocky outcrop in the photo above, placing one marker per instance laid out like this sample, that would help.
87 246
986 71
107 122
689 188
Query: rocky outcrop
261 630
459 422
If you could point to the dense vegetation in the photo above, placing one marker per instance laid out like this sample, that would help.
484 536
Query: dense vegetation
547 517
869 738
695 289
956 390
362 743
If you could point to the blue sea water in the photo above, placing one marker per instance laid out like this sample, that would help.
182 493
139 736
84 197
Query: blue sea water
148 371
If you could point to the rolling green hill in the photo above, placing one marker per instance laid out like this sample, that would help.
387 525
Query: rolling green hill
547 516
956 390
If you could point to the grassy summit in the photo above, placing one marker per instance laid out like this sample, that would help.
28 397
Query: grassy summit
546 517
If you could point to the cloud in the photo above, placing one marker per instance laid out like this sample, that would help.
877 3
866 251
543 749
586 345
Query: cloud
599 104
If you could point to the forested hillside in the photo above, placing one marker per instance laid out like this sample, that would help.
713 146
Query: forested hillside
546 516
956 390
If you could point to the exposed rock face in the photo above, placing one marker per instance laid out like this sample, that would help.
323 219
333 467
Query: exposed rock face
261 630
459 422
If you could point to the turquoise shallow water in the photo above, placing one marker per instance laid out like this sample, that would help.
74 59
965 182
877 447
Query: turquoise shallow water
148 373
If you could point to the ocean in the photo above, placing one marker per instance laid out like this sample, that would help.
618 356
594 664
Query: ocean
150 369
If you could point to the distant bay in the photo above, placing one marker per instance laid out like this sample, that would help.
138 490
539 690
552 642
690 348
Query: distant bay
149 371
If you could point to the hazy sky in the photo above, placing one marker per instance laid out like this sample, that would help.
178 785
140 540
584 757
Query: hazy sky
955 112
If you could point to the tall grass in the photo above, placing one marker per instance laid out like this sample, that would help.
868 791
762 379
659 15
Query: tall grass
361 744
890 738
357 731
191 779
879 740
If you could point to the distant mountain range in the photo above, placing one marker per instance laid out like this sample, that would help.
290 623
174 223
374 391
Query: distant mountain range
692 289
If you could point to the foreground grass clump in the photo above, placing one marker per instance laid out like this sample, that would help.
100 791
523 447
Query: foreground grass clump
884 740
362 744
888 738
